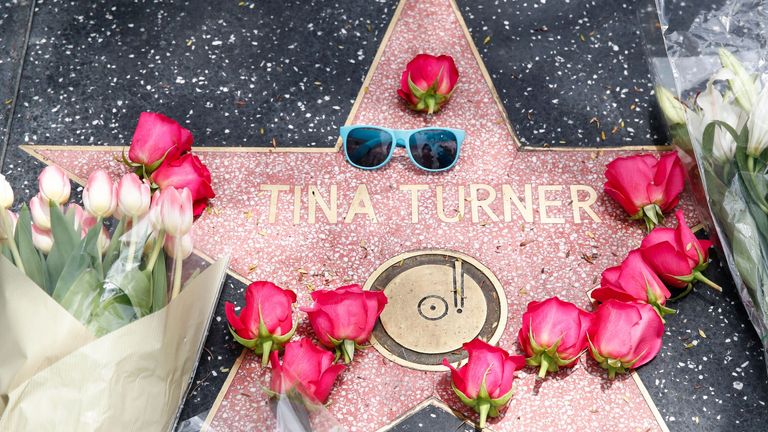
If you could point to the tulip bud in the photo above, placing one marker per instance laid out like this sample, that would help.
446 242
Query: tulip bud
54 184
82 220
42 239
8 220
155 216
741 82
103 241
100 194
41 212
673 109
185 244
6 193
176 211
133 196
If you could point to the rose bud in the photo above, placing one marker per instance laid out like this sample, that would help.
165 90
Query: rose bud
40 211
624 336
100 194
186 243
677 256
344 318
176 210
187 172
553 334
6 193
54 184
42 239
485 382
157 139
645 187
266 321
133 196
428 82
306 369
633 280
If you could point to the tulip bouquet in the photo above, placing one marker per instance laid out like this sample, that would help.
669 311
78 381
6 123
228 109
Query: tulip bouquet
725 129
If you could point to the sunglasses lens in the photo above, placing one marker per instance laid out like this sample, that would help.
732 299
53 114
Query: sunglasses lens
434 149
368 147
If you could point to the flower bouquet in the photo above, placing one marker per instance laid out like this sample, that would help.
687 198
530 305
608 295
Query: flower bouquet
121 306
720 125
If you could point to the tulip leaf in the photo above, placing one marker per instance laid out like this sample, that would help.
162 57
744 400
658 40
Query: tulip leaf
159 283
65 240
34 265
113 250
82 297
112 314
82 258
136 285
6 251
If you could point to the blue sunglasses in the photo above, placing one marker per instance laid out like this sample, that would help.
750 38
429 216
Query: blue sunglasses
431 149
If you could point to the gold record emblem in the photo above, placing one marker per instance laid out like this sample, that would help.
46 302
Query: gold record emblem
437 301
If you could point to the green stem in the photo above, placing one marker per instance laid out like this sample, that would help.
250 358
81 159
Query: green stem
16 256
156 250
176 270
611 372
266 348
99 258
701 278
483 407
687 291
131 244
544 366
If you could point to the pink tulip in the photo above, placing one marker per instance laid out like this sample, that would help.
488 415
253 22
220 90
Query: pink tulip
185 245
553 334
6 193
158 138
676 255
266 321
155 216
42 239
187 172
83 221
485 382
54 184
624 336
306 369
428 82
176 211
40 211
344 318
633 280
100 194
646 187
133 196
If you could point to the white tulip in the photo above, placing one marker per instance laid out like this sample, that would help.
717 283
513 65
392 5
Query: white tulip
6 193
54 184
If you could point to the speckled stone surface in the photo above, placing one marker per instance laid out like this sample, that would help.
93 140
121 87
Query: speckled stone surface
14 19
571 73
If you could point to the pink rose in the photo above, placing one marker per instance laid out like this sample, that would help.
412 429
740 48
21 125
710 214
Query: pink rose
676 255
307 369
428 82
266 321
344 318
633 280
646 187
624 336
553 334
187 172
485 382
158 138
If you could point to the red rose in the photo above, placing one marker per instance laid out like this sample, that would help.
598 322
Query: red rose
624 336
158 138
633 280
485 382
428 82
266 321
187 172
553 334
344 318
676 255
307 369
646 187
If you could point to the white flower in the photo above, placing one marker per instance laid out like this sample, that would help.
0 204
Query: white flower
673 109
758 125
6 193
741 82
714 107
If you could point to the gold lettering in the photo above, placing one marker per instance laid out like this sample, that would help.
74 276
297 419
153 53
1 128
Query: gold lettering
414 191
583 205
274 191
477 204
509 197
441 208
314 199
361 203
544 203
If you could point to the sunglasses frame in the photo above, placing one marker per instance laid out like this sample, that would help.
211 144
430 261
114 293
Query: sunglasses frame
401 138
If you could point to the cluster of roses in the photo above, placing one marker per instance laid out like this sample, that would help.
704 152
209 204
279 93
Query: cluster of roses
161 154
342 320
625 331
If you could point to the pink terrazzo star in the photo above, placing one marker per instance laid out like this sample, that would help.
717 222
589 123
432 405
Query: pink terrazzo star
554 240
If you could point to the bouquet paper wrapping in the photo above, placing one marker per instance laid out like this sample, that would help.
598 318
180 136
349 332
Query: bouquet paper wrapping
697 41
134 378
